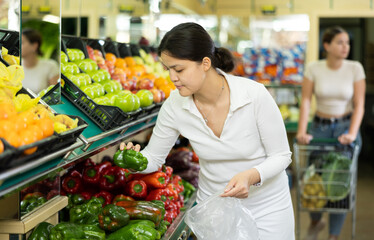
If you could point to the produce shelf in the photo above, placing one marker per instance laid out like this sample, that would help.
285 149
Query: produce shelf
179 230
92 141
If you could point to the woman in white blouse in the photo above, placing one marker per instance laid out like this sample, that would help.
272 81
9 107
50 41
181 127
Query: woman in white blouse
339 87
232 123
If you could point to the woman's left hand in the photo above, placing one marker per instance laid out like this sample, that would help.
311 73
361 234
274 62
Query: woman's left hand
239 185
346 138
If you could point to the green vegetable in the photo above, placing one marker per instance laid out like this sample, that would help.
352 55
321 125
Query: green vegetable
65 231
336 175
113 217
163 227
86 213
29 204
136 230
130 159
41 232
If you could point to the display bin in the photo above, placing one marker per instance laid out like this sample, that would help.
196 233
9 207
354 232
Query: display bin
134 49
74 42
106 117
10 40
53 96
110 46
124 50
13 156
326 178
95 44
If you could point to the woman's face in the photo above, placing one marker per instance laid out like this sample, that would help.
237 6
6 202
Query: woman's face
187 76
27 47
339 46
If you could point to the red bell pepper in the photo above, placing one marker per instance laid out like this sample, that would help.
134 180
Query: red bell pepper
170 215
72 183
136 189
162 194
52 193
92 174
155 180
86 195
33 195
168 170
178 184
52 182
113 178
121 197
107 196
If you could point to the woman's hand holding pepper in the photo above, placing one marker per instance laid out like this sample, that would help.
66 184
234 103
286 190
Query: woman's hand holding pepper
129 145
239 185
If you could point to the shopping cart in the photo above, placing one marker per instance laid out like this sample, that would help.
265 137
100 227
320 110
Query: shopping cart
326 174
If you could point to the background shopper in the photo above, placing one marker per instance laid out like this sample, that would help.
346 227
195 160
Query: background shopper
232 123
39 72
339 87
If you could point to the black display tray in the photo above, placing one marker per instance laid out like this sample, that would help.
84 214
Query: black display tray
53 96
106 117
124 50
12 156
10 40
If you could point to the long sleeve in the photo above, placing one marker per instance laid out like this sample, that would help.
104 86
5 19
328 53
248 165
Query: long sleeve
273 136
163 138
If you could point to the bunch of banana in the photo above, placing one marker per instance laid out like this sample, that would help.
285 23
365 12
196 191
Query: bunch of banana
10 59
313 195
64 123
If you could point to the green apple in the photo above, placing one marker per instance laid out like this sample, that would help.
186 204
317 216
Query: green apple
138 60
105 74
98 89
85 65
125 102
145 97
103 100
71 68
89 91
137 102
112 97
63 57
117 85
109 86
79 53
72 55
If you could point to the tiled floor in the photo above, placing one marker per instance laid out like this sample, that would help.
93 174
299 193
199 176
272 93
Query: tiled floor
364 208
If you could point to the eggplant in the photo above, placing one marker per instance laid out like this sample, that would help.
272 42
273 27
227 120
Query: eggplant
179 161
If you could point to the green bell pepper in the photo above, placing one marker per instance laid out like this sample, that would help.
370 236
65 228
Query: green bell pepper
93 232
66 231
163 227
139 230
41 231
29 204
86 213
113 217
130 159
75 199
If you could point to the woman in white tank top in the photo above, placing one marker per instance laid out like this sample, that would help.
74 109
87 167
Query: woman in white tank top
339 87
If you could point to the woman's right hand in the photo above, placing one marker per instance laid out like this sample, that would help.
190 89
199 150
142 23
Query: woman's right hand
303 138
129 145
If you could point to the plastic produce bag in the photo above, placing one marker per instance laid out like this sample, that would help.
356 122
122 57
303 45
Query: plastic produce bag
222 218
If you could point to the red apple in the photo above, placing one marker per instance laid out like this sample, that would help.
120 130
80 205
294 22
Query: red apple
144 83
97 53
157 97
129 85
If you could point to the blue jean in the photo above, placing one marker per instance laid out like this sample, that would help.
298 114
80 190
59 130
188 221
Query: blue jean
334 130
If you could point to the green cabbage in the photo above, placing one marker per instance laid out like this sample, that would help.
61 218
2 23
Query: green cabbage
336 175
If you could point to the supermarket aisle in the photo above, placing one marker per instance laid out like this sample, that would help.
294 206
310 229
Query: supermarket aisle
364 208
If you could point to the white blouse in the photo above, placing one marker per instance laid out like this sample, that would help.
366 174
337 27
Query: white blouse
253 136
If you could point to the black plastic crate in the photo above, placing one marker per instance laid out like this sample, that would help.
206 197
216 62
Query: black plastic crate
110 46
7 155
124 50
69 137
134 48
106 117
74 42
10 40
53 96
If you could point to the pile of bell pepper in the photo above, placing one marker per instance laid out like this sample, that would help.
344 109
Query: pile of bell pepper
111 183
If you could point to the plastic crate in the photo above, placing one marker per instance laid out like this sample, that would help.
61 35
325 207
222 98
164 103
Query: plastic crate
10 40
110 46
68 137
53 96
74 42
134 48
124 50
106 117
7 155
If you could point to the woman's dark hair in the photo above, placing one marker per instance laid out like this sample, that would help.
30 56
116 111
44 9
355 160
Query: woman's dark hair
330 33
33 36
190 41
